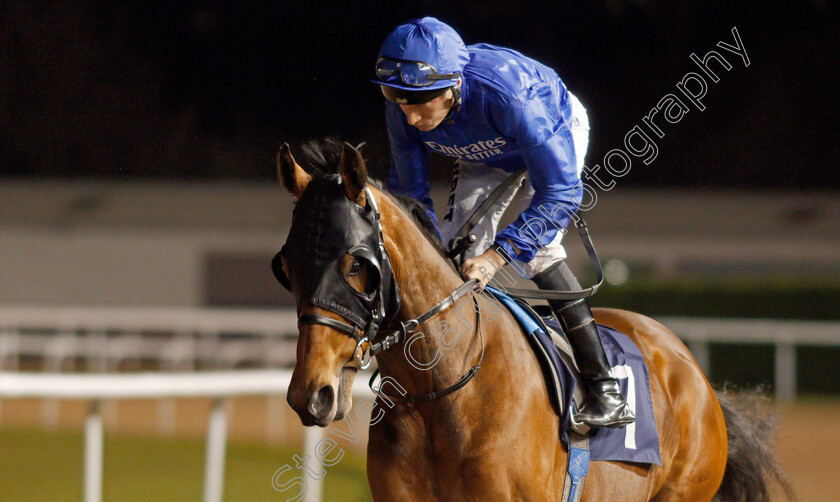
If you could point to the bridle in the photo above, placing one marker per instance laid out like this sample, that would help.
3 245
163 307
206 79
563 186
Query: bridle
380 340
377 314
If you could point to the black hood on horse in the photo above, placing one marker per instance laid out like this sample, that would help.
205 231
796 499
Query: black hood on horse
326 227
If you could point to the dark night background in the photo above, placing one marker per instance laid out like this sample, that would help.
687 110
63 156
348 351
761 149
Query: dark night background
210 89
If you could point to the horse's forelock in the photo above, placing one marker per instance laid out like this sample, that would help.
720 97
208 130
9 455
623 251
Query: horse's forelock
324 156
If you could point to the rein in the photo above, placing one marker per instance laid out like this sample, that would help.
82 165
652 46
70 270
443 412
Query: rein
464 380
399 335
458 246
463 240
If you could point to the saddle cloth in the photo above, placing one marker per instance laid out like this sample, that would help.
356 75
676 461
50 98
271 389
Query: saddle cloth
637 442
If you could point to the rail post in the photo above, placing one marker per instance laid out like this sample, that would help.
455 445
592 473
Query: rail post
214 467
93 454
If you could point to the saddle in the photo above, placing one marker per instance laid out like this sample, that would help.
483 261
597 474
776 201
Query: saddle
637 442
553 351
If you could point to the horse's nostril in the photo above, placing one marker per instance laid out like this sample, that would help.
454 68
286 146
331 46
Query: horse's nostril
321 402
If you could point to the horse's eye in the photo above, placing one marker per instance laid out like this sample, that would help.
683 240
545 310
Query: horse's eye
359 274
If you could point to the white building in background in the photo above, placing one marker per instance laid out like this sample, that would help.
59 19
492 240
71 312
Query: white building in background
198 243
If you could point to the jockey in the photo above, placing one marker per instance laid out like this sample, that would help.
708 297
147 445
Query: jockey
496 111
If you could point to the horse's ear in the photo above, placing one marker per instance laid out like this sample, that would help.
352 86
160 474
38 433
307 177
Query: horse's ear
353 174
293 176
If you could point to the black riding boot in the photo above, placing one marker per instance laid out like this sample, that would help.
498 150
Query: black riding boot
605 406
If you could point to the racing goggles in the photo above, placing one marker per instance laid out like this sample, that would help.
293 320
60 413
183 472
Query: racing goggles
413 73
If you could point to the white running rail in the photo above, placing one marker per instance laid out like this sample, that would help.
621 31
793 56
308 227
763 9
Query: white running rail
697 333
184 339
217 384
194 336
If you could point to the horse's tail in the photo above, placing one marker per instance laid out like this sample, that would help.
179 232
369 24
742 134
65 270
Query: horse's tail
751 463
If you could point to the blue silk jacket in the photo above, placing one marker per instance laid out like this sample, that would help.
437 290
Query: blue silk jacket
516 112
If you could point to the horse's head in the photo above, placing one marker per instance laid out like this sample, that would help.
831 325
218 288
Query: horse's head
335 264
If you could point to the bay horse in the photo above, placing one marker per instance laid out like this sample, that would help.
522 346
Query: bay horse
495 438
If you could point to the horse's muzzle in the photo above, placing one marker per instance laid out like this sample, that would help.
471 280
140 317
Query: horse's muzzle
319 408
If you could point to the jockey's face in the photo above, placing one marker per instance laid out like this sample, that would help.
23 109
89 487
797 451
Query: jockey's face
430 114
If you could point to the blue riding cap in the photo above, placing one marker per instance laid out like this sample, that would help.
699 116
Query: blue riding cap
429 41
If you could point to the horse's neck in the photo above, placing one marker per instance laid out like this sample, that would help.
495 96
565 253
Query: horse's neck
425 278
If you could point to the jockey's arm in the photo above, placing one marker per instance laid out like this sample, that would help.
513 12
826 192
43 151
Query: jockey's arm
557 195
547 150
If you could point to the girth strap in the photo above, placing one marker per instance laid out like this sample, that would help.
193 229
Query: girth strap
578 467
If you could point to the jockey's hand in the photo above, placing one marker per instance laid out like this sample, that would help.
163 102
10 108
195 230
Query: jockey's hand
483 266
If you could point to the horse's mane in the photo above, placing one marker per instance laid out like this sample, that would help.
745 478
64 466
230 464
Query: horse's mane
324 156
